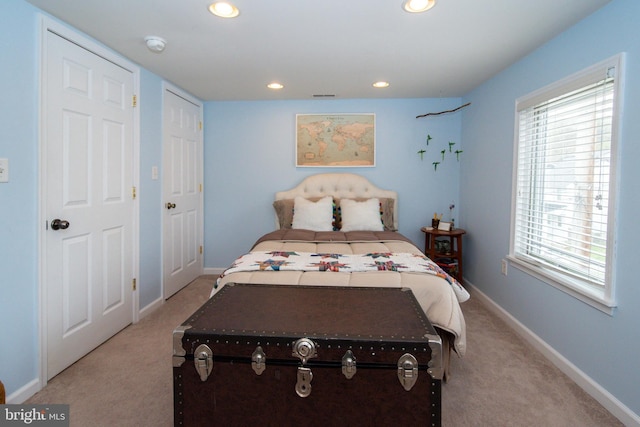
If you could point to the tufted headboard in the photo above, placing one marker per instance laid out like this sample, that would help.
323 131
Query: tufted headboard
339 185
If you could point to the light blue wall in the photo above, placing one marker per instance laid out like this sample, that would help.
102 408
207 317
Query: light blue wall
18 198
19 286
605 348
249 154
150 277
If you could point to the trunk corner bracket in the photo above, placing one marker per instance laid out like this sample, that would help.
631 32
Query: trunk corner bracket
179 351
435 368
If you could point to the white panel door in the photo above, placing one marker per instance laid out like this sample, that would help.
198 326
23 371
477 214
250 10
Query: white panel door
88 202
182 194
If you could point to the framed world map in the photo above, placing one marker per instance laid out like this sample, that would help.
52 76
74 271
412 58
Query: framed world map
336 140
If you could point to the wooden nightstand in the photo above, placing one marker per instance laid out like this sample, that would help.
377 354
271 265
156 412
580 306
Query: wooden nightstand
450 259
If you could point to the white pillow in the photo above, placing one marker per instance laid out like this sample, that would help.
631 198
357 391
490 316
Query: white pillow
360 215
316 216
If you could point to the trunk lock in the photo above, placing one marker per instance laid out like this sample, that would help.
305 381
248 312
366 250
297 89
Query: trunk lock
303 386
258 361
407 371
348 365
203 360
304 349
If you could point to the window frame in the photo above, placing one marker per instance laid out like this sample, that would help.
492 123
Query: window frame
600 298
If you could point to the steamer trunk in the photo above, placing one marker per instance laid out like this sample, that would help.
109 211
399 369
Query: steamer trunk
307 355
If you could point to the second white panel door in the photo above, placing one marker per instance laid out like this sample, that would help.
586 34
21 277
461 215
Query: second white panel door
182 192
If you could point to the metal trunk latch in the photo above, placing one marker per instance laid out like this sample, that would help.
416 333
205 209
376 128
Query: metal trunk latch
258 361
304 349
348 365
407 371
303 386
203 360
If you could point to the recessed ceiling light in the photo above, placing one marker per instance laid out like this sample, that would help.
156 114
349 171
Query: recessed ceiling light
224 9
275 85
417 6
380 84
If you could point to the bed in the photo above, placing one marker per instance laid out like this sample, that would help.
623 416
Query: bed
341 230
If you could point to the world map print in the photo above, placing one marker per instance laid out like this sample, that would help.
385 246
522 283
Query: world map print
335 140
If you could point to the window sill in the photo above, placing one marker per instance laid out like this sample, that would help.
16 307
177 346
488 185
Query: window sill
592 298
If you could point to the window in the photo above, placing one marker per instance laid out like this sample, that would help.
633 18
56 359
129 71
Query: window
565 183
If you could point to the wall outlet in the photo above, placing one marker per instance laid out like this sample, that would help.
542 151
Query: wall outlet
503 266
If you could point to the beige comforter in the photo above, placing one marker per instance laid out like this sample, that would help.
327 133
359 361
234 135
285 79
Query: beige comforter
435 295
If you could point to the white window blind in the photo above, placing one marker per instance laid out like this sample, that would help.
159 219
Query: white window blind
563 180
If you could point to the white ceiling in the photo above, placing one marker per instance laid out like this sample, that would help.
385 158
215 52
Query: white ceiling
324 47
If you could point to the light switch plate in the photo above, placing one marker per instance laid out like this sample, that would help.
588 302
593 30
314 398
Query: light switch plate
4 170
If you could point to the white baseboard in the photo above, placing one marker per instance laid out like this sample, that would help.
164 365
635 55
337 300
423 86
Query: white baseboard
24 392
214 271
595 390
149 308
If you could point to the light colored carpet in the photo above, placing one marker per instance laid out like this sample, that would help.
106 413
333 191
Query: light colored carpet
501 381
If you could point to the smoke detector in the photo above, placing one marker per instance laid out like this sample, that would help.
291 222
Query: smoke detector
155 44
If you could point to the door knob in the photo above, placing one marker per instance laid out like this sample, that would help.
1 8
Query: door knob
171 205
59 224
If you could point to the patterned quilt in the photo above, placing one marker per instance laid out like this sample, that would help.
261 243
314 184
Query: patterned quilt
346 263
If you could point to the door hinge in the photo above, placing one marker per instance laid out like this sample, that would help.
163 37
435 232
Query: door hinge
201 188
200 125
200 249
133 193
134 284
134 100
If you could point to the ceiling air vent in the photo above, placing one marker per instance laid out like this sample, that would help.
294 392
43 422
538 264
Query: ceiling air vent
326 95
